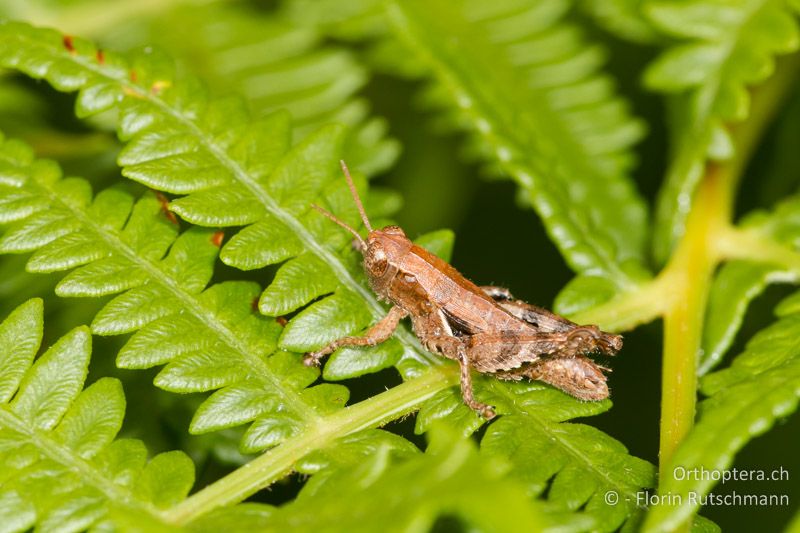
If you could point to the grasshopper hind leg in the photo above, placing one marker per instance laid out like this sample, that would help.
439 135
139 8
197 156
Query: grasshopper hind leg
578 376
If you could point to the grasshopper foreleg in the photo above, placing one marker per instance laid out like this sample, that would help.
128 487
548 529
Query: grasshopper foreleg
374 335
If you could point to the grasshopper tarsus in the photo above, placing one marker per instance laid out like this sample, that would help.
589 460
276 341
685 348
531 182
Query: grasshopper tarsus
311 359
483 328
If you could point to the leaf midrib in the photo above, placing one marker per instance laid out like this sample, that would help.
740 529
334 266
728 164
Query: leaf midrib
544 428
114 494
453 79
695 142
188 301
413 347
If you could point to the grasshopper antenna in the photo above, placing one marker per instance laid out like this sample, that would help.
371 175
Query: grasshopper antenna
342 224
357 199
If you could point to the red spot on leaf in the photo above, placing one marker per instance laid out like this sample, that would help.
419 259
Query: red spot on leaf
68 44
164 202
101 56
254 304
217 237
134 76
281 320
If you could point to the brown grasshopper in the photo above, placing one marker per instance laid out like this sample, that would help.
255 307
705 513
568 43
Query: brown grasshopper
483 328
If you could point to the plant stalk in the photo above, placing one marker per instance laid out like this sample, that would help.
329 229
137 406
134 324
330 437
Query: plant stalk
709 238
689 279
750 245
279 462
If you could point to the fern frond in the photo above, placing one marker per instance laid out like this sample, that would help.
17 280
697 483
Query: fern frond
349 452
278 64
526 83
761 386
736 285
582 463
234 171
180 142
739 282
209 337
352 20
624 18
716 60
451 478
61 466
240 173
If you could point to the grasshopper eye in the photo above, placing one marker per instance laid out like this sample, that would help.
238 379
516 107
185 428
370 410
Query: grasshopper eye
375 259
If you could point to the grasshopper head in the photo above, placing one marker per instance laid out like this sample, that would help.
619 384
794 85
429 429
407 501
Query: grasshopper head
384 247
383 253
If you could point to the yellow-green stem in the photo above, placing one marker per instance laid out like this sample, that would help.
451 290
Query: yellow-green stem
278 462
689 278
710 237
